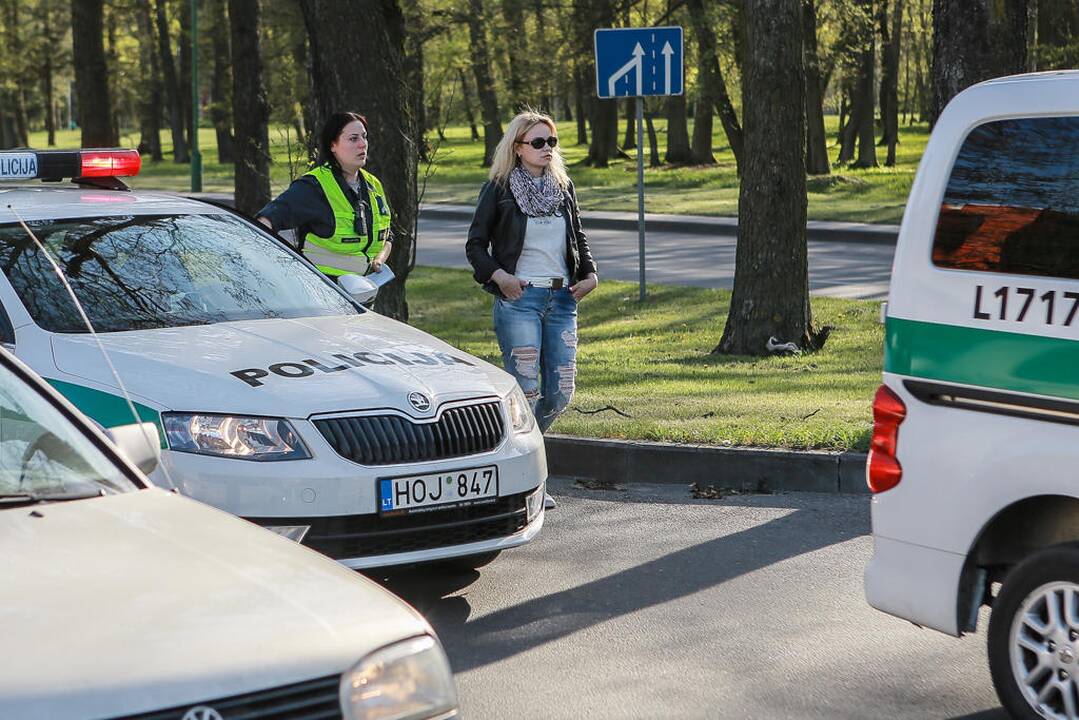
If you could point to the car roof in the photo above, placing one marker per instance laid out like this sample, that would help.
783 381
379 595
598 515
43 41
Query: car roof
44 202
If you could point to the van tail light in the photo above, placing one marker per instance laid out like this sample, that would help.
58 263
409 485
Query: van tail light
883 471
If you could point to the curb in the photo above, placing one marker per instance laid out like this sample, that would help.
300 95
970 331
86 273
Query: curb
826 230
749 469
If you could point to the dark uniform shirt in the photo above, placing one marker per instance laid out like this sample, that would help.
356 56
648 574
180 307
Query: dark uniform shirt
303 207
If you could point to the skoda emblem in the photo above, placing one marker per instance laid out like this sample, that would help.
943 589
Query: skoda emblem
419 401
201 712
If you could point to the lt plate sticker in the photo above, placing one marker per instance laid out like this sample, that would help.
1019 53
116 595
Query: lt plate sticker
18 166
437 490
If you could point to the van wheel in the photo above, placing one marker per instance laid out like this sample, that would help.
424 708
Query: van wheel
468 562
1034 637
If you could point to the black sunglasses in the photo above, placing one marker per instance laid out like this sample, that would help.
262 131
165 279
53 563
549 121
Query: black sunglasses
538 143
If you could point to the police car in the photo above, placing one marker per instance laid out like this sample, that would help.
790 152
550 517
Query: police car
276 394
122 600
974 461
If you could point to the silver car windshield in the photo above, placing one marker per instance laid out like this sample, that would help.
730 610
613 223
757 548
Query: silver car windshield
43 455
142 272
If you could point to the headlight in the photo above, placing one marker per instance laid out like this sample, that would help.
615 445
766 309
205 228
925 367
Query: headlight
409 680
245 438
519 411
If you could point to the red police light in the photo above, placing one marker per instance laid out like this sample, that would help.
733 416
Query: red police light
883 471
109 163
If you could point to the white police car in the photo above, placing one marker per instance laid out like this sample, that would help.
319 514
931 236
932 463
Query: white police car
121 600
278 397
975 444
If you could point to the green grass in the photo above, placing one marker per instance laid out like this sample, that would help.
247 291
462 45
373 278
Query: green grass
873 195
653 363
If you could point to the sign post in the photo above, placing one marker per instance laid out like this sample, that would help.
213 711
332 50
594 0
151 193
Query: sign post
639 62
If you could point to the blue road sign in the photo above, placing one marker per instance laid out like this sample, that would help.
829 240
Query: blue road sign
634 62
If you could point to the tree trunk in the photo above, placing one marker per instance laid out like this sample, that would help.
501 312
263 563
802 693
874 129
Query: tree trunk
150 83
701 149
250 110
771 277
519 80
185 72
466 102
678 150
604 132
816 140
653 143
579 87
172 90
889 83
481 68
974 40
629 140
221 82
19 69
863 94
347 74
91 73
717 86
544 82
47 90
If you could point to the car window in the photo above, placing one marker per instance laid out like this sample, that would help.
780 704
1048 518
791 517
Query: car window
142 272
1012 201
43 454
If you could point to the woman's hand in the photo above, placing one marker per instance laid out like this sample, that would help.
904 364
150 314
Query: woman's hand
512 287
584 287
380 259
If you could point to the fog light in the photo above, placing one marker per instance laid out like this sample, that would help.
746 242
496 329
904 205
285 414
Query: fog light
295 533
534 501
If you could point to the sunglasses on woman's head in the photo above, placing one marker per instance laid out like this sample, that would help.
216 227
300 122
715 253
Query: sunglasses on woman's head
538 143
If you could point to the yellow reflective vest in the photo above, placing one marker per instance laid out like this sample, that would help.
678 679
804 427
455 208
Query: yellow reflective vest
346 251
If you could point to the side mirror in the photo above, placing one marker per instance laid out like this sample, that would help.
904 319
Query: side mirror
131 441
359 288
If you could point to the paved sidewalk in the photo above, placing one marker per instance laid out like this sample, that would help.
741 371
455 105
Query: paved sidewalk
697 224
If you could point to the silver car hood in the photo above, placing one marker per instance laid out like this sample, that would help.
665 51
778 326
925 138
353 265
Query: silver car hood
147 600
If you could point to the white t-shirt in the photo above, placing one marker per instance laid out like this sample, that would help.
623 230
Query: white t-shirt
544 251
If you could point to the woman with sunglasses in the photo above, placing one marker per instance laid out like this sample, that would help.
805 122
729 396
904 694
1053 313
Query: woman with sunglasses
527 248
338 209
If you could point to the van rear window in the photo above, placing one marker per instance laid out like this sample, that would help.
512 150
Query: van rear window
1012 202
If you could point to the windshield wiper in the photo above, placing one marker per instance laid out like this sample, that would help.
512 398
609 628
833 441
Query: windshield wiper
8 500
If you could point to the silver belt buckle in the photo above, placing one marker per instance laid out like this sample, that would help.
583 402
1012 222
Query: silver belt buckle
552 283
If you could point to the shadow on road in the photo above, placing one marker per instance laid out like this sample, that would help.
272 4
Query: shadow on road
997 714
513 630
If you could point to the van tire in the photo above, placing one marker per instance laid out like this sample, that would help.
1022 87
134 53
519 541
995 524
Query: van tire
1032 580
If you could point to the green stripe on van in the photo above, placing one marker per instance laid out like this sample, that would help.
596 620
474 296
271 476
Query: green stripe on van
987 358
108 409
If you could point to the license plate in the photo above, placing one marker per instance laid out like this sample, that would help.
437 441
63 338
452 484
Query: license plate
416 493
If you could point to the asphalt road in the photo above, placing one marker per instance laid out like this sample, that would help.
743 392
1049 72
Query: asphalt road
644 603
837 269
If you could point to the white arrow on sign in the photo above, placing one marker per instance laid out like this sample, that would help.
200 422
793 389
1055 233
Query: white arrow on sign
667 52
638 53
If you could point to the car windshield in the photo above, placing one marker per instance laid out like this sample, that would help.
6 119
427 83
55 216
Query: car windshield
43 455
142 272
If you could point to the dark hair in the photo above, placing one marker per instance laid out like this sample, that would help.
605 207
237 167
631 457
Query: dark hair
331 129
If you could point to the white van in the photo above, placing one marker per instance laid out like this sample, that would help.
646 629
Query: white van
974 461
277 395
121 600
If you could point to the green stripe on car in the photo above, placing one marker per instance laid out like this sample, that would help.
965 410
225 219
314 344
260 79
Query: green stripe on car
108 409
1032 364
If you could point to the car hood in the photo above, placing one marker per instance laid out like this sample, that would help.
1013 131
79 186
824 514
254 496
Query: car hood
148 600
278 367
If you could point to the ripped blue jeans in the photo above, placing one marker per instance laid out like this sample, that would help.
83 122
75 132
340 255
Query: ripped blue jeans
537 334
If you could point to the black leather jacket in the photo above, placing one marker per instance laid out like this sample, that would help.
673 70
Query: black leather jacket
497 235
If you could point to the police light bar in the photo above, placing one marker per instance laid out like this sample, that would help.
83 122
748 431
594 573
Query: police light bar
54 165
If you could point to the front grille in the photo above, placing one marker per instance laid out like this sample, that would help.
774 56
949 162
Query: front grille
391 439
310 700
351 536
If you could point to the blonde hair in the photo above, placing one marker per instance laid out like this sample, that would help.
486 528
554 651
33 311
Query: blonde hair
505 156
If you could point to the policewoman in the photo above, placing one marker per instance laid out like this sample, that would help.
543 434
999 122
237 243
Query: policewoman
527 248
338 209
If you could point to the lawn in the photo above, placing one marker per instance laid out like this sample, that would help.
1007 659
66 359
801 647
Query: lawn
873 195
653 364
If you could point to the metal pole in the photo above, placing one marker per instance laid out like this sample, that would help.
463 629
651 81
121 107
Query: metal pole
640 190
196 156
